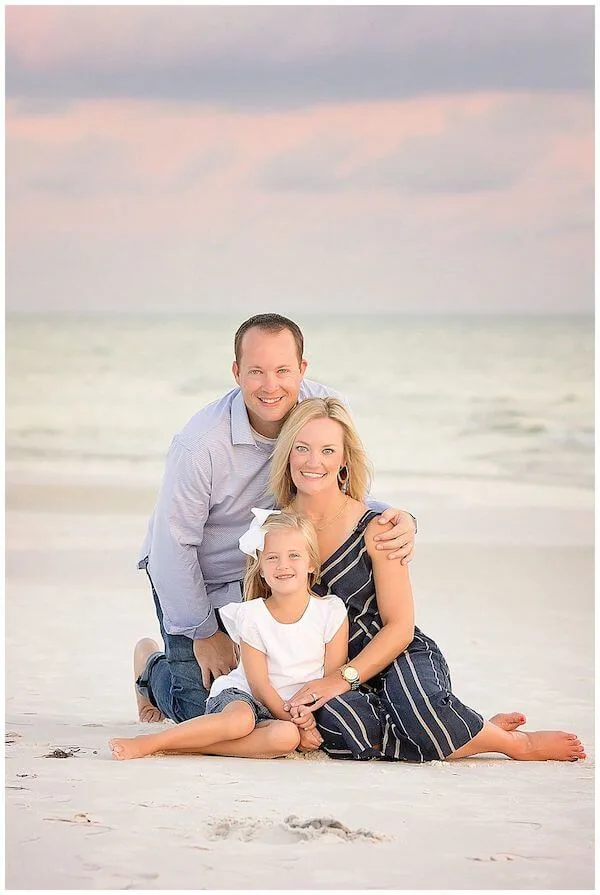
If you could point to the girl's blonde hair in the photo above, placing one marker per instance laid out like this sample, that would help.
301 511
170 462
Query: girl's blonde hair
355 457
254 584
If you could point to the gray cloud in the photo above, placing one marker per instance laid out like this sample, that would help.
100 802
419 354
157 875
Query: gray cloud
97 166
90 166
282 57
313 167
201 167
487 151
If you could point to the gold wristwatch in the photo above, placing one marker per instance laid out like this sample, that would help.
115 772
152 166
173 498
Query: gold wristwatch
351 676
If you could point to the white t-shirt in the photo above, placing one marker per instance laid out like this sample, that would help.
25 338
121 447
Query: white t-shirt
295 652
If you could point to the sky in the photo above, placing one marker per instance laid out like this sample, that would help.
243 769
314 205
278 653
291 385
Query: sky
340 159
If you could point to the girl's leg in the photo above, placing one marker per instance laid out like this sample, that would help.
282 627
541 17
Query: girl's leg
235 721
269 739
540 745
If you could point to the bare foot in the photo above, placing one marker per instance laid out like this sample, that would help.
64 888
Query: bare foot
129 747
509 720
547 745
146 711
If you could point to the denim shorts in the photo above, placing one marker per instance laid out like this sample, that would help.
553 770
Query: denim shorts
232 694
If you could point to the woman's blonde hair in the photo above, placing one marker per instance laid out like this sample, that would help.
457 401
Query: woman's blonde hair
355 456
254 584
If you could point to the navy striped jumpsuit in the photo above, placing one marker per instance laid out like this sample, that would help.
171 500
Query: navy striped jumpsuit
407 712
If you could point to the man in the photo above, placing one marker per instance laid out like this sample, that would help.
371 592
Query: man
216 471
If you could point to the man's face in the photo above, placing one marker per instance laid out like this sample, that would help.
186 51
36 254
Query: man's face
269 375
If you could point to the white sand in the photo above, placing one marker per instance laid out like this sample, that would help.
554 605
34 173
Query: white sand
515 622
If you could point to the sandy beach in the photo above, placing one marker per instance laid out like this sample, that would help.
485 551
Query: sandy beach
509 602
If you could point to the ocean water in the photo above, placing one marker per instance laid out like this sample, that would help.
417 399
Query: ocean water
474 399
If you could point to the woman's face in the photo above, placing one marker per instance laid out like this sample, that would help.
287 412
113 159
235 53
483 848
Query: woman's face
316 456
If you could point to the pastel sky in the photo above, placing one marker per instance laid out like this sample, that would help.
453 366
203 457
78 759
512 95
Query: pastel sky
293 158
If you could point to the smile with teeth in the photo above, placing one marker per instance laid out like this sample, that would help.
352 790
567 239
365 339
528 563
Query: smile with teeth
314 475
271 400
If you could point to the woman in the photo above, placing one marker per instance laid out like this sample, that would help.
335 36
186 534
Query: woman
394 698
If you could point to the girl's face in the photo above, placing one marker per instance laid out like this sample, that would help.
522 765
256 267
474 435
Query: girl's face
284 562
317 455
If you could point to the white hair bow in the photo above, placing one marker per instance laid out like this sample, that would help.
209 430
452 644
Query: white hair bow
254 539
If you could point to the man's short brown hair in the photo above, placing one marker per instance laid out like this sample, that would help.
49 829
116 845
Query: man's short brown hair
269 323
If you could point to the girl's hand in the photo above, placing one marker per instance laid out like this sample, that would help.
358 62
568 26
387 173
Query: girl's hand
303 718
315 694
310 740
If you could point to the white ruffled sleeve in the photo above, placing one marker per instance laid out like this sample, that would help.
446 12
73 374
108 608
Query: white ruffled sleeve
335 616
230 615
241 623
249 631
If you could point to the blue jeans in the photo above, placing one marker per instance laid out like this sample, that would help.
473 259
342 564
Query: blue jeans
172 680
219 702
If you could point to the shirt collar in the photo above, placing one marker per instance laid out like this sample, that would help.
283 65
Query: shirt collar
241 433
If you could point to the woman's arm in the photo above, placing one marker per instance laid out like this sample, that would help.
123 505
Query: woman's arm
396 608
395 604
255 667
336 651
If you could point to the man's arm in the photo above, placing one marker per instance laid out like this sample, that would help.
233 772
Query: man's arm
179 519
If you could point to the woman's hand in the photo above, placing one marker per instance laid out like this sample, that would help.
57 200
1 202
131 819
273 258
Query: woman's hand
315 694
400 539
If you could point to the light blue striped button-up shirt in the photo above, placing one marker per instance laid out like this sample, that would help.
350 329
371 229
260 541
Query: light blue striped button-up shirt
216 471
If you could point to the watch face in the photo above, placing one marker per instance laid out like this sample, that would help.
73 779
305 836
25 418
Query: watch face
350 674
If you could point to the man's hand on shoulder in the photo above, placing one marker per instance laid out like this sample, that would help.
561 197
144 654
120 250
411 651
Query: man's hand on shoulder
215 655
399 540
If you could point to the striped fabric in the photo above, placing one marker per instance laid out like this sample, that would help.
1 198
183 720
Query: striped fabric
408 711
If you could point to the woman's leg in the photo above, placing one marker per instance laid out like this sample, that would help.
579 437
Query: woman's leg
235 721
540 745
350 726
423 719
508 720
427 722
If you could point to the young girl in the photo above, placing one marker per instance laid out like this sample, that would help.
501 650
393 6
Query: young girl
287 636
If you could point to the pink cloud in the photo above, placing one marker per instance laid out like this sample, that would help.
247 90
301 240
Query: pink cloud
164 185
